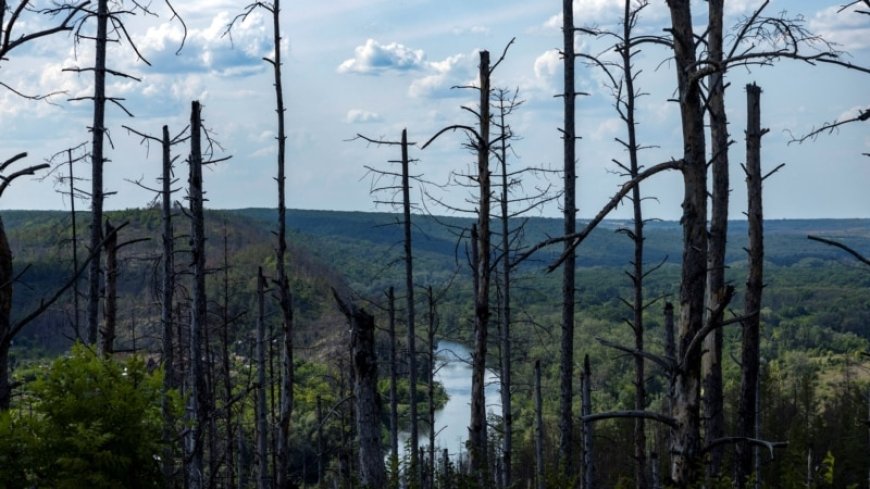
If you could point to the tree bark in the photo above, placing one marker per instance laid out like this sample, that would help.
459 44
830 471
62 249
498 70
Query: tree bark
97 159
198 404
714 415
108 332
686 439
566 365
746 410
477 429
365 390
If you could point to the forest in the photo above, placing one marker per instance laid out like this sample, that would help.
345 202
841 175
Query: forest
461 338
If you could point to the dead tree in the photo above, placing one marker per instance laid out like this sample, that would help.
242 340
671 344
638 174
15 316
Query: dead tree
714 414
198 403
394 396
569 137
404 178
482 144
285 302
108 331
586 410
365 390
750 352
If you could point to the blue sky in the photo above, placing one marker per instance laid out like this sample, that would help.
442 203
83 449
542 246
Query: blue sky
377 66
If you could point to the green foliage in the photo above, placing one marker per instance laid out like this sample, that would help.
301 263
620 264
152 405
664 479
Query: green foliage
94 424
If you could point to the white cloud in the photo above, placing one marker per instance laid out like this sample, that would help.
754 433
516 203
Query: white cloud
376 58
474 29
849 29
359 116
548 64
452 71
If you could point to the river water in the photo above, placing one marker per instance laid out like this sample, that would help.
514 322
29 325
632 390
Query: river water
451 422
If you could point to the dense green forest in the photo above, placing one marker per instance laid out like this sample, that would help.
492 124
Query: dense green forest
816 323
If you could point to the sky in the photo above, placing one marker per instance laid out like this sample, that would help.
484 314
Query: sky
374 67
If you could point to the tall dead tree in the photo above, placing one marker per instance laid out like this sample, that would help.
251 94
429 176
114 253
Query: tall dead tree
198 397
569 137
749 357
365 391
714 415
285 302
110 308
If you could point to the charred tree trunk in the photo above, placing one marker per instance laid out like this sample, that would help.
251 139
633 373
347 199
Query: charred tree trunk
409 296
75 244
754 284
586 410
197 406
98 130
686 438
263 475
166 298
540 477
566 366
394 396
107 334
712 360
477 429
365 390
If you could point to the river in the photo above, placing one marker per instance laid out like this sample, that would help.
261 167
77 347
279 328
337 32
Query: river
451 422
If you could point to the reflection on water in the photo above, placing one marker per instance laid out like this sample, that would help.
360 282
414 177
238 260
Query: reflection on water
451 422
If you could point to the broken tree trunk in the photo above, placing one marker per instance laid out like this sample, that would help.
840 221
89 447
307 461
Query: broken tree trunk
410 305
482 272
749 370
197 405
365 389
586 410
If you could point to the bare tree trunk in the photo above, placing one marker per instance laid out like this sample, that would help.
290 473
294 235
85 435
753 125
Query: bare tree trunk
107 334
637 236
566 366
286 408
98 130
409 288
686 439
588 455
262 429
365 390
754 285
394 396
714 415
541 481
168 283
197 406
505 324
477 430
